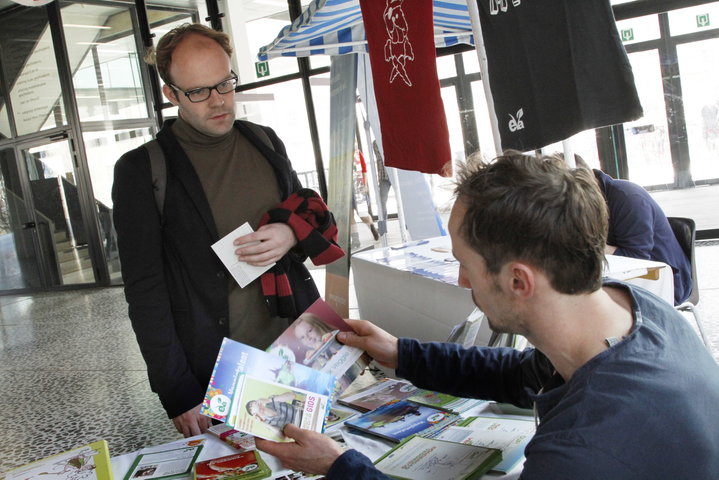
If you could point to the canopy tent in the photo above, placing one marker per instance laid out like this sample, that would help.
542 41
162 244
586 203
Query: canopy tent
334 27
545 57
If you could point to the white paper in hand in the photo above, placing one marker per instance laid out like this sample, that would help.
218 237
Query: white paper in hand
225 248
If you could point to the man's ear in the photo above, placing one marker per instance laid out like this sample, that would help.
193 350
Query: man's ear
522 280
170 94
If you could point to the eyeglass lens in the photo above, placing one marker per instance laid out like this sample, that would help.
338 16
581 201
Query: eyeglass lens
202 94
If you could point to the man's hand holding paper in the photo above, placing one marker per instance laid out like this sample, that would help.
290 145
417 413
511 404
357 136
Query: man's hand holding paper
265 246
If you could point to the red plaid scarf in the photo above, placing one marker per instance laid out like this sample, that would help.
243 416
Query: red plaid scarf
314 226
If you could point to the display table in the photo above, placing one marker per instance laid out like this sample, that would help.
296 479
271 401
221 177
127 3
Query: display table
411 290
367 444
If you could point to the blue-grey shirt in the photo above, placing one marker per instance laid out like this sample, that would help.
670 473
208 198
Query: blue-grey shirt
644 408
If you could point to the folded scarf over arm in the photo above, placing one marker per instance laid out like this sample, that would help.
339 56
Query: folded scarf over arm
314 226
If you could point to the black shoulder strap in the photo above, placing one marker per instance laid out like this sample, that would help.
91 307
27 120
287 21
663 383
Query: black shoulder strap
158 168
259 133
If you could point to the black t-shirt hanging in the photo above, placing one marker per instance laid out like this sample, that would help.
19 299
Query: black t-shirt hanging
556 67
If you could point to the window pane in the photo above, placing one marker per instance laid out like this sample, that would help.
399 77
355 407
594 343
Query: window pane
446 67
639 29
481 116
104 61
260 32
700 92
103 150
282 107
647 139
56 198
583 144
694 19
5 131
18 267
28 60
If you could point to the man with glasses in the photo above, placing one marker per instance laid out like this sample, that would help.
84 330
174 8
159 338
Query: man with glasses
220 173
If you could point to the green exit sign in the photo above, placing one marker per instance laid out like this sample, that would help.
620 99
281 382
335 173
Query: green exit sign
703 20
627 35
262 69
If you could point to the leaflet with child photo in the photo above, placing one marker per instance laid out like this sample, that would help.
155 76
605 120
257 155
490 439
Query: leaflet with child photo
311 340
250 391
263 409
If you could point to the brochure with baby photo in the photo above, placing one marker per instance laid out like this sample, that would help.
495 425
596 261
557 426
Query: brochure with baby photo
398 420
259 393
242 272
310 340
420 458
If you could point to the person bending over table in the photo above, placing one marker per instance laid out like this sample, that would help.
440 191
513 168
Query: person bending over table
621 385
638 228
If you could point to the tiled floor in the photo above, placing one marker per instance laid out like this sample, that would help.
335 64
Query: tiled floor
71 372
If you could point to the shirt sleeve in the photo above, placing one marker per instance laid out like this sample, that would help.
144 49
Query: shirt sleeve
501 374
352 464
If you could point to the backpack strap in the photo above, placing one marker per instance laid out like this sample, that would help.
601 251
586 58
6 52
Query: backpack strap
158 169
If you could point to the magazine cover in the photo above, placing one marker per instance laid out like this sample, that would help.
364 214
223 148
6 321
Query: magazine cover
378 394
244 374
398 420
444 401
310 340
89 462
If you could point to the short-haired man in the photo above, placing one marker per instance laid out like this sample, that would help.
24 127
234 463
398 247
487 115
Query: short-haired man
622 386
221 173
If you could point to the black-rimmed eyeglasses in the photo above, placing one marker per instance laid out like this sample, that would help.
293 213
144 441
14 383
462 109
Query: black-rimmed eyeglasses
201 94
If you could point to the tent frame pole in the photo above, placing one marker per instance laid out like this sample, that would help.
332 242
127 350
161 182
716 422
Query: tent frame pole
483 68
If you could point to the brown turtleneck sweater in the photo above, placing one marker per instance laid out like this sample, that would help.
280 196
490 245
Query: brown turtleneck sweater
240 186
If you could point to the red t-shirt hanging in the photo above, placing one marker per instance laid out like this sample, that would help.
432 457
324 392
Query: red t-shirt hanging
400 38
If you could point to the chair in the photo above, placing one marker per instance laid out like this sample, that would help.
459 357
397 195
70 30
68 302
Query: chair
685 230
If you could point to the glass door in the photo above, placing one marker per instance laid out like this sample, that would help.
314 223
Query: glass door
19 266
53 201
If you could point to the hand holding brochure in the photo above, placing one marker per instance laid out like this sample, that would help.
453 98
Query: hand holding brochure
242 272
259 393
310 340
